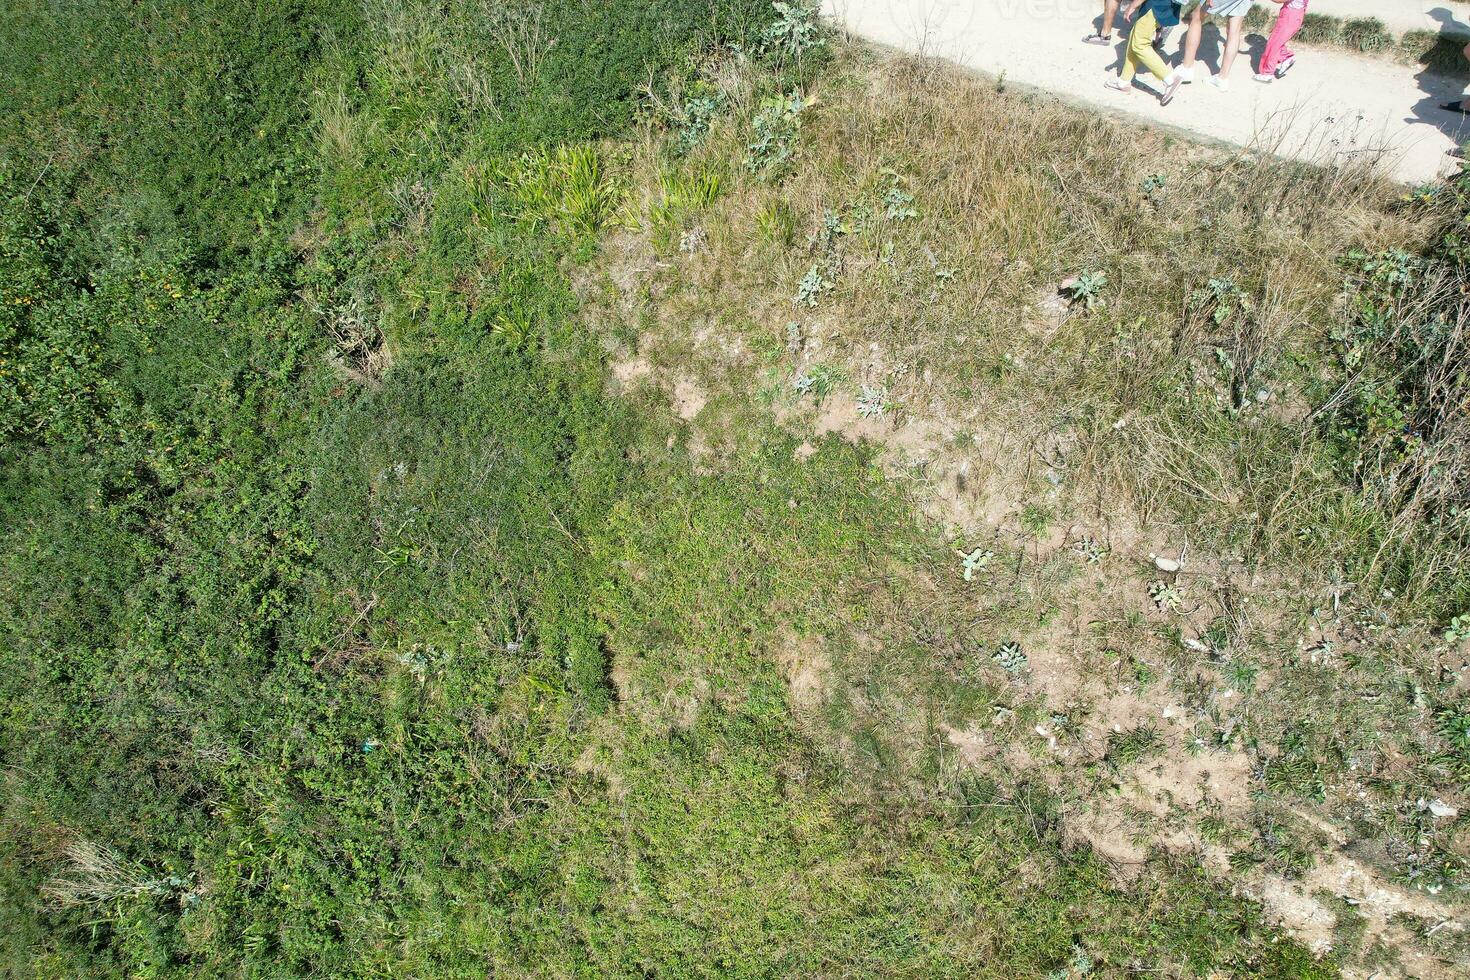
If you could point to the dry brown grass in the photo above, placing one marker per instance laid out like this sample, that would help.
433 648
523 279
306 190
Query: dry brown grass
95 875
954 312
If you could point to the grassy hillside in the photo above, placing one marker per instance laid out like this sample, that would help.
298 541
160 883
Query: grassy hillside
426 553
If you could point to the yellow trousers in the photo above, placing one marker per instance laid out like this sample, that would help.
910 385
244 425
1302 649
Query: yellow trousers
1141 49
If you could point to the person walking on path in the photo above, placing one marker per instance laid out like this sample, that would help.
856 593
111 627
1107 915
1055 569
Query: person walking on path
1105 34
1161 13
1234 12
1278 57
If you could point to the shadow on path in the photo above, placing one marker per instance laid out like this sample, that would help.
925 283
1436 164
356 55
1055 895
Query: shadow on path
1440 89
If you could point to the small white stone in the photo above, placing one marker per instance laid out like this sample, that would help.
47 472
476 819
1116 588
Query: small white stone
1440 808
1165 564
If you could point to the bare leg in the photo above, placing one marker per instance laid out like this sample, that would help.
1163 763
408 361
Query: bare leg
1110 13
1191 38
1232 44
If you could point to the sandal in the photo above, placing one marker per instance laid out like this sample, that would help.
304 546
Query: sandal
1097 39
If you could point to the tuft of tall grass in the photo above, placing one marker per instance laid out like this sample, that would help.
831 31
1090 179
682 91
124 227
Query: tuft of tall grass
568 186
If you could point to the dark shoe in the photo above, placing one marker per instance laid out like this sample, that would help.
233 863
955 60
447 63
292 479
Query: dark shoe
1097 39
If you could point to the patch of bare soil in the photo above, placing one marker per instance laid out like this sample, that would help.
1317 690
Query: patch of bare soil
804 661
631 369
689 399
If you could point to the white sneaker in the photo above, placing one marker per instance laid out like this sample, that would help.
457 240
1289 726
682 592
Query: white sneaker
1264 78
1118 85
1223 84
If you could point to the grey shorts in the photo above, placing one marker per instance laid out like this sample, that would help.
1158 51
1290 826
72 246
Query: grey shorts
1231 8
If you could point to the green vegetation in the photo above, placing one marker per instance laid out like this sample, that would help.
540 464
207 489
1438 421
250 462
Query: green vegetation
363 614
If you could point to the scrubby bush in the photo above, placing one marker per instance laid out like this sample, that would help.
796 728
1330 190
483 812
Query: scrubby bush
1399 407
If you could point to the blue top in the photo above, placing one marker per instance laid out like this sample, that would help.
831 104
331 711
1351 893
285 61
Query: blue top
1166 12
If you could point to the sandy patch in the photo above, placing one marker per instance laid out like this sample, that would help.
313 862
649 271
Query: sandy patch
689 399
804 661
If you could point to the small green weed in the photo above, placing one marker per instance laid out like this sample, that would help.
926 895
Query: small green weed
682 195
1010 657
872 402
1036 519
819 380
777 223
775 136
812 286
1134 745
1166 596
973 561
1085 289
567 185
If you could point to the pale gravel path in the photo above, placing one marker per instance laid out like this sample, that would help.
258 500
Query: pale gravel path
1332 102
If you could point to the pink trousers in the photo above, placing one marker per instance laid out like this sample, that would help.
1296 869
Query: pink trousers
1288 22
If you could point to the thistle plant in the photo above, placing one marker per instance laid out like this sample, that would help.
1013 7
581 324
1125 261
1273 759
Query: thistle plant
1010 657
775 131
872 402
818 380
971 562
898 203
1166 597
812 286
1091 549
1085 288
795 340
796 29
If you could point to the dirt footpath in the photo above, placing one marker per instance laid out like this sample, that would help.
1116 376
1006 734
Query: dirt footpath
1333 104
